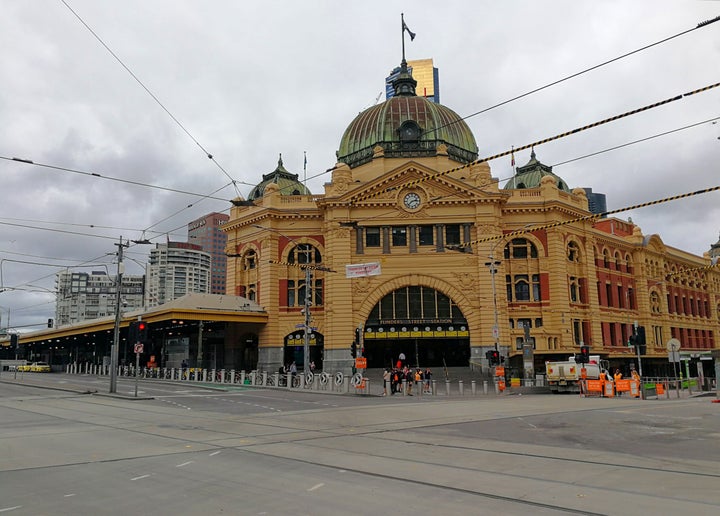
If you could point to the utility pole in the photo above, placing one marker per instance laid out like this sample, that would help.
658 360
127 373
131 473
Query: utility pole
308 318
118 316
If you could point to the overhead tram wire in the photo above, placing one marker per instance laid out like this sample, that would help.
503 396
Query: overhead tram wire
505 179
380 191
152 95
591 217
110 178
698 26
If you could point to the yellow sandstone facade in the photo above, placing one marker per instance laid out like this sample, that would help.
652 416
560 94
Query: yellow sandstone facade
465 265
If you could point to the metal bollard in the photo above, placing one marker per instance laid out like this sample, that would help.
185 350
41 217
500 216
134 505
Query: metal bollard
242 377
404 387
447 387
277 379
367 386
420 387
473 387
497 388
212 375
346 385
232 375
434 388
461 387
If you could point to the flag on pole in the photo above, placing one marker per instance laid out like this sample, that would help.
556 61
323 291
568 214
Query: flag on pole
411 33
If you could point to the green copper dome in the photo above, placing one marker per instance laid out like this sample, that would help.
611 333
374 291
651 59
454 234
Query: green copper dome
287 182
530 175
406 126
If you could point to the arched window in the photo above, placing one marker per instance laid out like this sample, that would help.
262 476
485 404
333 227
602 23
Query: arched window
249 260
606 258
628 264
304 254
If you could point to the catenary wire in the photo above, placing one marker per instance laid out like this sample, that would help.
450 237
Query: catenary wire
153 96
428 177
595 67
110 178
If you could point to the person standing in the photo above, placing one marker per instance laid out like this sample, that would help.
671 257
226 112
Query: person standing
386 380
427 377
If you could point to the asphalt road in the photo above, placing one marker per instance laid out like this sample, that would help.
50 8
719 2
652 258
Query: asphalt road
195 450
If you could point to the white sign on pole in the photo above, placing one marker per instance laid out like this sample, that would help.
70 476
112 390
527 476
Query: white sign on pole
138 347
359 270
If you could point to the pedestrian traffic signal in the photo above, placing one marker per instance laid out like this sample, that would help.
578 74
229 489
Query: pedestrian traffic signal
142 331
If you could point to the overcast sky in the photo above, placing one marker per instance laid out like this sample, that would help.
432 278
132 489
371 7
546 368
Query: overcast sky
250 80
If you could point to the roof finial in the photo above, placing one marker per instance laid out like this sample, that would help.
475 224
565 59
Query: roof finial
280 160
532 152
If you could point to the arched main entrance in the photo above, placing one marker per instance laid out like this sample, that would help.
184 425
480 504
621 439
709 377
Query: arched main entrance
420 322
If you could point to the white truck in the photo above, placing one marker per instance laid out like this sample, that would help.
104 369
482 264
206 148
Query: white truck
565 376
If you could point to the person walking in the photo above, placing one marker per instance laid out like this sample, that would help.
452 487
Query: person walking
427 377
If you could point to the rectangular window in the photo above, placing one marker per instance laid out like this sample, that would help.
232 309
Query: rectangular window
522 288
426 235
536 287
452 234
372 237
401 306
399 236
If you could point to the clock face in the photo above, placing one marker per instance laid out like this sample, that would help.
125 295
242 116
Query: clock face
412 200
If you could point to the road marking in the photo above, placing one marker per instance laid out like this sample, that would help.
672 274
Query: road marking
5 509
214 453
140 477
184 464
316 486
69 495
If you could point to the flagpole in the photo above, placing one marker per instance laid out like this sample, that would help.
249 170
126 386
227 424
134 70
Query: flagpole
402 31
305 168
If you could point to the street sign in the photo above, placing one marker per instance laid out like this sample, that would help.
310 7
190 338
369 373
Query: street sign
673 356
139 348
673 345
496 332
361 363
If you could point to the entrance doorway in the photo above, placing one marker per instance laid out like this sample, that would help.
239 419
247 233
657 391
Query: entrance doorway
420 322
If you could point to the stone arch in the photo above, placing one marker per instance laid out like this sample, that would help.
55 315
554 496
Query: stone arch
460 299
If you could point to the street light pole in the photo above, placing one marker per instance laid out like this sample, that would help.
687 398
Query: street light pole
492 265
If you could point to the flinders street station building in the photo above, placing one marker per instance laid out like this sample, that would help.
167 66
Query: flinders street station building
415 248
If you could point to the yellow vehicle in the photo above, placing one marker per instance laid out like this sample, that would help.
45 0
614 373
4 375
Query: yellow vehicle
35 367
40 367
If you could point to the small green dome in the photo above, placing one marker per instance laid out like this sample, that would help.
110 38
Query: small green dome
530 175
406 126
287 182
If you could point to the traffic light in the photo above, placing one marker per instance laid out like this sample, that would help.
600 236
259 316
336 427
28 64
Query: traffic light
353 349
14 342
142 331
494 357
133 332
640 339
584 356
50 323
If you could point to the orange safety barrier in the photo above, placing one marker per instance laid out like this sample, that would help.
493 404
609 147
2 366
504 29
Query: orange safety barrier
622 385
595 386
635 388
501 385
659 389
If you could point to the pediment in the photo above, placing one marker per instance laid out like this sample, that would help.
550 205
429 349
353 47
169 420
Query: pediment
412 176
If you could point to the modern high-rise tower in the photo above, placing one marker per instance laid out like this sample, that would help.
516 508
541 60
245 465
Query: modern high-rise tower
426 75
206 233
175 269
